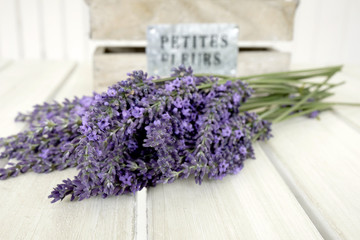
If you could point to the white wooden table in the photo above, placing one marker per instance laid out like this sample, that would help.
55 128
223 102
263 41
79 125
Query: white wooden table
304 183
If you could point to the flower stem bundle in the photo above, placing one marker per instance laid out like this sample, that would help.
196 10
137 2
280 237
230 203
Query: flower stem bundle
146 131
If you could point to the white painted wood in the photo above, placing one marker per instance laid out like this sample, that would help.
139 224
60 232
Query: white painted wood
351 33
24 203
349 92
326 31
55 44
325 51
303 44
79 84
4 64
25 84
31 27
323 159
9 24
255 204
76 37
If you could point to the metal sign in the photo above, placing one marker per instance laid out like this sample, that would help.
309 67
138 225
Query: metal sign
207 48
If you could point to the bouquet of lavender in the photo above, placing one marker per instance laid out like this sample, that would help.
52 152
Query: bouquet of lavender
145 131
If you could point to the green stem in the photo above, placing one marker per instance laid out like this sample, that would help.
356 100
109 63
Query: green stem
292 109
269 112
308 111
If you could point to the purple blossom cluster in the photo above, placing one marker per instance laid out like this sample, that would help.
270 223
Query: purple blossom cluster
41 147
138 134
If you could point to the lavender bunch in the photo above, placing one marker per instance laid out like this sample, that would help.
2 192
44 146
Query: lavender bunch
146 131
138 134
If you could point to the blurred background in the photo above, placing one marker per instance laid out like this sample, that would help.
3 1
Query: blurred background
325 31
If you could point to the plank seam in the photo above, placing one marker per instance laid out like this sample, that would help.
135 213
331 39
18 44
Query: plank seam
62 82
6 65
347 121
322 225
141 215
134 221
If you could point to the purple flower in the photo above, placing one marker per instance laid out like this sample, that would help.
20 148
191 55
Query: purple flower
314 114
125 114
178 102
86 101
126 178
44 153
111 92
236 98
137 112
176 83
181 71
103 124
187 125
221 88
226 132
166 116
169 87
238 134
223 166
186 112
243 150
189 80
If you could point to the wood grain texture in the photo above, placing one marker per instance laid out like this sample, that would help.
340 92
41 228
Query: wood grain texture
4 64
76 31
127 19
25 210
323 159
31 27
11 40
255 204
54 29
20 88
349 92
112 67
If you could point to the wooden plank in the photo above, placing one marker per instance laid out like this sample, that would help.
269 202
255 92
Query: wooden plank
4 64
255 204
54 29
351 50
322 158
79 84
25 84
76 33
31 28
28 212
349 92
325 52
112 64
11 46
258 20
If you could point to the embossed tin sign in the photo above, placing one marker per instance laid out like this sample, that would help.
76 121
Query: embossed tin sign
207 48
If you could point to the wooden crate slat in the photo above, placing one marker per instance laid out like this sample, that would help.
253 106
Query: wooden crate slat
112 67
255 204
258 20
